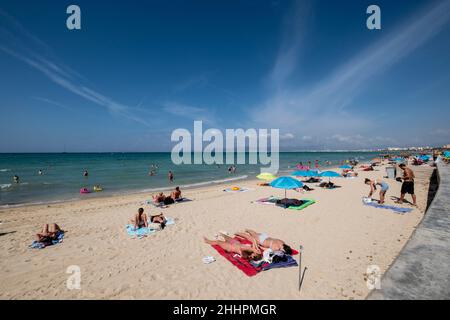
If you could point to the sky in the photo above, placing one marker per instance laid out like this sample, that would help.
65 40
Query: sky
137 70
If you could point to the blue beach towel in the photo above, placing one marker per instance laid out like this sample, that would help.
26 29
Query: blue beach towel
399 210
40 245
291 262
141 232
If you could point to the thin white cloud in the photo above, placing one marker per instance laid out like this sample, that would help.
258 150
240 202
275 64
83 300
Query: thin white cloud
19 43
293 39
322 108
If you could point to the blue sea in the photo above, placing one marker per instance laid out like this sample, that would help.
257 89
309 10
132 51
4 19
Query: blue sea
121 173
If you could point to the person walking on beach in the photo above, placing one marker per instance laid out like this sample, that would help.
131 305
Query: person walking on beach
373 187
170 176
407 185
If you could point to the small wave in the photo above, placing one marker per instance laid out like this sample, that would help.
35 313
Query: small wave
5 186
5 170
36 203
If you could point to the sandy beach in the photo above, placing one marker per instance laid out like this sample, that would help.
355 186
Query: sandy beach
341 238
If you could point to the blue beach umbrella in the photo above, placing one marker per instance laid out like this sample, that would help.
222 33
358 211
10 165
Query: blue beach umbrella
330 174
346 166
305 173
286 183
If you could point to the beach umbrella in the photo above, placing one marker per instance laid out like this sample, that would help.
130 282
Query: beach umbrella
329 174
266 176
305 173
346 166
286 183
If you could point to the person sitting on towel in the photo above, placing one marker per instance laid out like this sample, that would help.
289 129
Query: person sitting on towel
248 252
49 233
265 241
158 218
176 194
140 219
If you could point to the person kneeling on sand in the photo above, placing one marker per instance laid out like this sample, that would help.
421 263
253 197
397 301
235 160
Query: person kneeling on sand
248 252
140 219
176 194
49 233
265 241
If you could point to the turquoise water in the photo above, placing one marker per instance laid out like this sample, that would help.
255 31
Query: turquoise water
120 173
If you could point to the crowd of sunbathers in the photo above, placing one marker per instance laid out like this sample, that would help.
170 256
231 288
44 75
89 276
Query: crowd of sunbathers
260 242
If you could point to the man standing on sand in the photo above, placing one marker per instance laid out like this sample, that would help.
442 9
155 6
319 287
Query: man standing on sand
408 184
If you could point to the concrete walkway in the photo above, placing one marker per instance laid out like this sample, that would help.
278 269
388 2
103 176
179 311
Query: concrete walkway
422 270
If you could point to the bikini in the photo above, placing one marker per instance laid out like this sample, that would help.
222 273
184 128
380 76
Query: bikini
263 237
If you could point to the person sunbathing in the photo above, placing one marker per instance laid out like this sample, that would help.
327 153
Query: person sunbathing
265 241
176 194
327 185
248 252
311 180
159 198
286 202
49 233
158 218
140 219
349 173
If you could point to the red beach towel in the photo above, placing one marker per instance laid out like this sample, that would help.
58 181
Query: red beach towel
241 263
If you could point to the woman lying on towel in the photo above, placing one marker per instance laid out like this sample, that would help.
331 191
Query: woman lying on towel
140 219
349 173
49 233
312 180
265 241
327 185
158 218
159 198
162 199
251 253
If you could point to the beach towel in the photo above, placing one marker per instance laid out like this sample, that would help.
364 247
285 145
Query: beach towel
398 210
237 191
143 231
245 266
264 266
40 245
162 204
273 201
